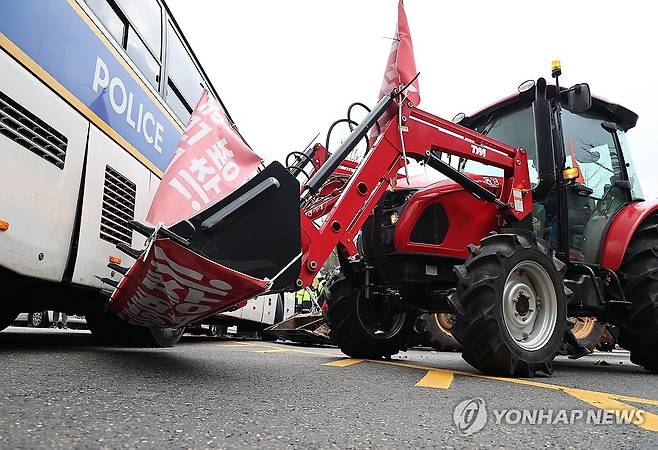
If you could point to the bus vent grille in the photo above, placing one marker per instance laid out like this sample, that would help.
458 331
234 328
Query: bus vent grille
118 207
26 129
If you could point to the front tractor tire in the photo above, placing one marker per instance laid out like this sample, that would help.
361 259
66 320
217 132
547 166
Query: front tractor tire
639 274
363 327
511 306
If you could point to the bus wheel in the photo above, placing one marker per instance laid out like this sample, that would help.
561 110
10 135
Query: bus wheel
7 317
110 330
162 337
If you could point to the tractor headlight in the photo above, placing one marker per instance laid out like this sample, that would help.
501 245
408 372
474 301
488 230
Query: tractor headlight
394 217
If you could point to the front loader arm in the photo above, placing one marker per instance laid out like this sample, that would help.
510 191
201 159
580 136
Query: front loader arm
250 242
424 136
434 134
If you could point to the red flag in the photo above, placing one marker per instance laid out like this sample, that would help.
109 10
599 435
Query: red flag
171 286
211 161
400 67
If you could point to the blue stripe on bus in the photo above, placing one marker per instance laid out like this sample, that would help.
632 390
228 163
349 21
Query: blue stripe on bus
54 35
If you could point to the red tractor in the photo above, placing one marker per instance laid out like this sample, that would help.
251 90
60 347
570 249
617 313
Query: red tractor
540 218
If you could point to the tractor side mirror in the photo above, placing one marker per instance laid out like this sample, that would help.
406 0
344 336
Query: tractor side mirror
458 117
579 98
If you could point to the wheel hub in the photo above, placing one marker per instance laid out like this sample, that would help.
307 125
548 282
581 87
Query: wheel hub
522 304
529 324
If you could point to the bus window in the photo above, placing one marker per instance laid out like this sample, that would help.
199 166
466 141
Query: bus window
146 17
143 58
175 102
130 24
184 85
108 17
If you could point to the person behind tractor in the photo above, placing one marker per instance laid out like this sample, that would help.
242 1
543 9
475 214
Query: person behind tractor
303 301
321 284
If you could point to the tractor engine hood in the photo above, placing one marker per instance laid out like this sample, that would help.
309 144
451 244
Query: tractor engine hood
440 218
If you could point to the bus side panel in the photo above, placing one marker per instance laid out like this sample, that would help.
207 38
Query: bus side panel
256 309
260 309
288 305
238 313
269 308
114 182
37 198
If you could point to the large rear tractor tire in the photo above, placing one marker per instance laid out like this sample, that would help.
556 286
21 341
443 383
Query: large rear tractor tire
511 306
639 274
363 327
587 330
435 330
110 330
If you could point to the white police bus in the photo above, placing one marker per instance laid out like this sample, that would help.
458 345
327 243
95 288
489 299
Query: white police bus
94 95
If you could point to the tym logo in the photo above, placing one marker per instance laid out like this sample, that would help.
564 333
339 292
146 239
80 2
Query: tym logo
122 101
478 151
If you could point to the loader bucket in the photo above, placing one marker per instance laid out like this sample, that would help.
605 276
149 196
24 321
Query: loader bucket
242 246
302 328
255 230
170 286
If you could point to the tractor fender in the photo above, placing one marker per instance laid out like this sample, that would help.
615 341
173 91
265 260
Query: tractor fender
621 231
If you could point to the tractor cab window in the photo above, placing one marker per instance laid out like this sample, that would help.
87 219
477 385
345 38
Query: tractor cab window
513 127
594 197
636 189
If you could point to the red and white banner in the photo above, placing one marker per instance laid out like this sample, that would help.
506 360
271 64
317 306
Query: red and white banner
400 68
170 286
211 161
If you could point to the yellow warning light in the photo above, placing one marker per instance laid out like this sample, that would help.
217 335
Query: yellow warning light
4 226
570 173
115 260
556 68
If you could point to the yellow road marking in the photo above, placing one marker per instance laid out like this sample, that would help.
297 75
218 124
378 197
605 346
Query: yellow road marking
608 403
235 344
288 349
439 379
442 379
343 362
601 400
271 350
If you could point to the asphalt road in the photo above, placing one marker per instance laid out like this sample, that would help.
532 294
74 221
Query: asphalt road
58 389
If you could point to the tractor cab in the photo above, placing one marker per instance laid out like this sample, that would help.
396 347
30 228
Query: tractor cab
579 162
